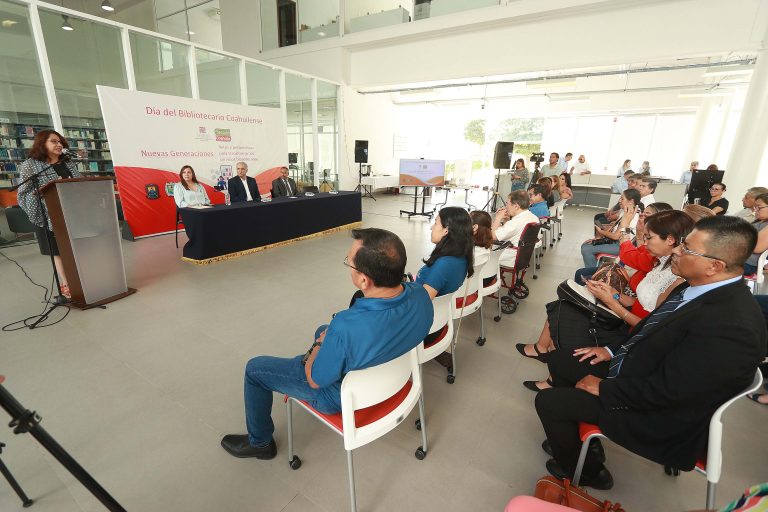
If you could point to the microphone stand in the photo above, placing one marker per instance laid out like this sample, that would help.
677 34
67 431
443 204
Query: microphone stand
59 300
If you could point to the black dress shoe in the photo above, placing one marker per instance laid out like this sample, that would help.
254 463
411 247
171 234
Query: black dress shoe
595 448
238 445
531 384
540 356
603 480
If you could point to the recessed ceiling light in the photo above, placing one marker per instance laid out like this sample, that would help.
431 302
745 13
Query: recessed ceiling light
190 32
729 70
8 23
321 34
107 6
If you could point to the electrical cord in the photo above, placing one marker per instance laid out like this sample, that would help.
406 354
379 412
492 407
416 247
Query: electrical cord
27 323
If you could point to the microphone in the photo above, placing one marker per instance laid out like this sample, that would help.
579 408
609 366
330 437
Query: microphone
68 154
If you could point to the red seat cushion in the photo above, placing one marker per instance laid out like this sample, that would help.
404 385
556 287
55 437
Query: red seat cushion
368 415
587 429
702 465
440 336
470 299
751 276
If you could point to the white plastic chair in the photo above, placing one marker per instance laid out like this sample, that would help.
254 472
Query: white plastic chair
490 269
373 402
440 337
557 217
467 300
711 467
755 281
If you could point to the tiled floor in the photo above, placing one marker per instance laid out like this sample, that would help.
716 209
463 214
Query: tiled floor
141 393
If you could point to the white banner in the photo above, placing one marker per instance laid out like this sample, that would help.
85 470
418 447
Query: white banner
151 136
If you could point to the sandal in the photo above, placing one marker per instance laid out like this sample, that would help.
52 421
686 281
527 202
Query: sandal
533 385
540 356
755 397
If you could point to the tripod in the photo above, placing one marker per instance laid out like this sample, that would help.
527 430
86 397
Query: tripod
25 501
365 190
325 185
25 421
494 195
59 299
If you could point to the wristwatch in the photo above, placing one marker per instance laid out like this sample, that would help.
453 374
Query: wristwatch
628 231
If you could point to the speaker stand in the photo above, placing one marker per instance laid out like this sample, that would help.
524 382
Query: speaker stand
494 199
365 190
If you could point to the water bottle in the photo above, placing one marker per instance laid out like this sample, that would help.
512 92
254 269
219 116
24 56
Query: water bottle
226 197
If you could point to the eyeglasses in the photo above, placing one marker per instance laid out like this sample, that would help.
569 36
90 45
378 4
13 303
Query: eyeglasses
716 189
758 208
686 250
346 263
647 237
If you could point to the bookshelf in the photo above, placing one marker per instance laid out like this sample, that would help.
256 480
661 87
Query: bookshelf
86 137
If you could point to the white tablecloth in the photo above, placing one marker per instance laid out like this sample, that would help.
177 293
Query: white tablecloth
381 181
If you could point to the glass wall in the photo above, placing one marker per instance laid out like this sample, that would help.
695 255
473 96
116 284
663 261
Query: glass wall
263 85
298 94
160 66
218 77
328 132
83 53
98 60
368 14
23 105
197 21
318 19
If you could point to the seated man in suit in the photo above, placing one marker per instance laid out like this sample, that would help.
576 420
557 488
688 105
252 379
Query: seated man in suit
243 188
655 393
362 336
284 185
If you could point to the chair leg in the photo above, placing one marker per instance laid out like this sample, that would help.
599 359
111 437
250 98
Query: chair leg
289 409
582 458
498 302
481 339
177 237
352 496
711 495
422 417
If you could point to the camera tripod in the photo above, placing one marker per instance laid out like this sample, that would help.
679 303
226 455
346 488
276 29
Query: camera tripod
25 421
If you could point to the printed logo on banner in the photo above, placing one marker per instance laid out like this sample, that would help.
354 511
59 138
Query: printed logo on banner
153 191
169 188
223 135
202 133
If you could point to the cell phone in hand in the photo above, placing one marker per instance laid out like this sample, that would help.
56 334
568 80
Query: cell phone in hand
583 279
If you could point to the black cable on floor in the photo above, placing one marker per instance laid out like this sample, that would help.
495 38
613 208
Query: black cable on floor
26 323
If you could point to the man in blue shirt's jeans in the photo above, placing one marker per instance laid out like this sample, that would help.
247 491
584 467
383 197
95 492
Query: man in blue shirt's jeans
389 320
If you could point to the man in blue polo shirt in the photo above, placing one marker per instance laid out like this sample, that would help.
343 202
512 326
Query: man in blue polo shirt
538 205
389 320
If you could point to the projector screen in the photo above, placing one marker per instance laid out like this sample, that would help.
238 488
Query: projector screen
422 173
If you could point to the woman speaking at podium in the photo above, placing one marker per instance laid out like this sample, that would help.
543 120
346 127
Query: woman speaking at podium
50 162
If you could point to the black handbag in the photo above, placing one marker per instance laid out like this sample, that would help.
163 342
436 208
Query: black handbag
602 241
579 296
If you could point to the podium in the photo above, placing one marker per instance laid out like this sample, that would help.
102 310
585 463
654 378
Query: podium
84 219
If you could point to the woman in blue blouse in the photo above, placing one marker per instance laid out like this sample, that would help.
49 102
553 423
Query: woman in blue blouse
452 258
189 192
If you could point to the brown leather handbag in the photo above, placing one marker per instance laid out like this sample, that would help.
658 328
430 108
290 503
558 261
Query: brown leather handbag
554 490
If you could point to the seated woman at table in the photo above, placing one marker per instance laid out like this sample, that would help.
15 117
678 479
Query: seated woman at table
189 191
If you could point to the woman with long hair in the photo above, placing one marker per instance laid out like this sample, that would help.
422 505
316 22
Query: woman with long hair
452 258
545 182
188 191
519 175
564 186
46 160
608 239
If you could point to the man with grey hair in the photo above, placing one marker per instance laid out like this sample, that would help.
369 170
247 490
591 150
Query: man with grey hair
748 201
243 188
686 177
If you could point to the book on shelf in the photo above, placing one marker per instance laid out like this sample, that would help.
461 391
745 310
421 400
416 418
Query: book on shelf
93 166
5 129
27 143
4 154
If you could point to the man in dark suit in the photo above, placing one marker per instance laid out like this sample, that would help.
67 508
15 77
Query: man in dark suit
655 393
243 188
284 185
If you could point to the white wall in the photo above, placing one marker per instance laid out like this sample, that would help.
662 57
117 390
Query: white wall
241 27
318 12
366 118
